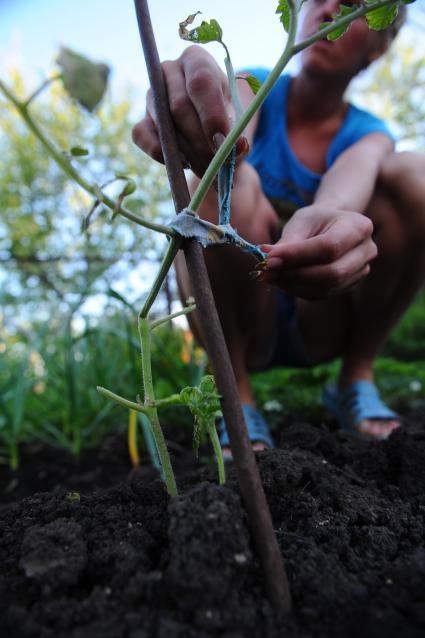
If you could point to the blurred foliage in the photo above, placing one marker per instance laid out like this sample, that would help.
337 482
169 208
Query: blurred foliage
407 341
48 378
49 374
281 392
54 347
45 258
52 358
394 90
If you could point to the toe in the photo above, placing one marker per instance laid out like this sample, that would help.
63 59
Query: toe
378 428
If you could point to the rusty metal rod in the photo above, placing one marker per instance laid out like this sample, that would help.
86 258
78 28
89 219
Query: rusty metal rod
259 518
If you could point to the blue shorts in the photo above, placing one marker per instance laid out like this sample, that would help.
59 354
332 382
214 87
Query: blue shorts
288 349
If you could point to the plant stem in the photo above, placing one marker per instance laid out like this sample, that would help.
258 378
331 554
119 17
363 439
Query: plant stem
41 88
290 50
172 250
132 405
233 85
151 412
224 150
173 315
173 399
14 456
68 168
218 454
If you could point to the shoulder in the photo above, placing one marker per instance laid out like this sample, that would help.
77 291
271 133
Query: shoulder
358 125
361 122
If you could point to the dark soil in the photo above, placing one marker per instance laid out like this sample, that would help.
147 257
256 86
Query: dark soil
124 562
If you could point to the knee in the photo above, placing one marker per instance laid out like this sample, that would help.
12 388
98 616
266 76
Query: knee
403 179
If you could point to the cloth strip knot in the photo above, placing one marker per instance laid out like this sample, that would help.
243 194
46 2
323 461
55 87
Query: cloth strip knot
188 224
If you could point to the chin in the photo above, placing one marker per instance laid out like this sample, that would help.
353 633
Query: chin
317 65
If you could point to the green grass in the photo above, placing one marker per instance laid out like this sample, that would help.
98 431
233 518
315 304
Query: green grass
48 382
298 392
48 379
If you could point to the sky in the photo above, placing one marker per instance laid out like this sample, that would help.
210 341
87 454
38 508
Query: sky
31 32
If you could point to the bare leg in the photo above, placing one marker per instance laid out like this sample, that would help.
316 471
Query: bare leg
357 325
247 309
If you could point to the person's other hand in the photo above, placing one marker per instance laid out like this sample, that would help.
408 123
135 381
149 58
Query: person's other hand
321 252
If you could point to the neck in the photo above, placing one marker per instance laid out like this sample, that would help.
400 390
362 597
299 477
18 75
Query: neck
313 99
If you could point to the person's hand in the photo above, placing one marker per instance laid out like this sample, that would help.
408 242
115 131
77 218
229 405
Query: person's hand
321 252
201 108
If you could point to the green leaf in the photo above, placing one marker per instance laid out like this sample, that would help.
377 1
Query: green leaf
84 80
336 33
78 151
203 402
285 14
253 82
129 188
382 17
206 32
116 295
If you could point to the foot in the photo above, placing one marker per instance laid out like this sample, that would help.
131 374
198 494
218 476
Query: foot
258 432
378 428
360 411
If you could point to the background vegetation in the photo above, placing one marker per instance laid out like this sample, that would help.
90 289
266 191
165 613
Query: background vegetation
69 299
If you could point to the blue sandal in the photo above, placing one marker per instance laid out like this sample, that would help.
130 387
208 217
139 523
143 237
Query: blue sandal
257 426
359 401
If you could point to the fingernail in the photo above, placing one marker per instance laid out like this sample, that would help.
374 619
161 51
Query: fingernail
274 262
242 146
218 139
266 248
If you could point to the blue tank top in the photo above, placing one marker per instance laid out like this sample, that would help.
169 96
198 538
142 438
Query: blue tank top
285 180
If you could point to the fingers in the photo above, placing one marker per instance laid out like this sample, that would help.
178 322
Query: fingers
145 135
207 89
301 246
189 109
321 264
200 105
321 281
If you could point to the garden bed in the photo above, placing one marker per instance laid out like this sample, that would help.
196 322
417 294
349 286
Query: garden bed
122 562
